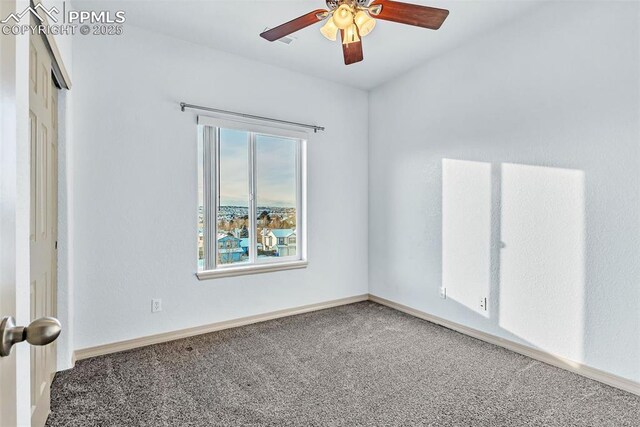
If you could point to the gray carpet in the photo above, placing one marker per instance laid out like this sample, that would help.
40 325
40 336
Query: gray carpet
361 364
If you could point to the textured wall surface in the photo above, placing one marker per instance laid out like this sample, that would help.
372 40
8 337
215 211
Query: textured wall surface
550 106
135 193
528 137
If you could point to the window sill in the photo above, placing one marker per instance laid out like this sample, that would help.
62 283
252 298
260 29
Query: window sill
251 269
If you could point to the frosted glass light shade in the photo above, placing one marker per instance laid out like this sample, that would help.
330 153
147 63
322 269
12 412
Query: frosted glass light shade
364 22
330 30
343 17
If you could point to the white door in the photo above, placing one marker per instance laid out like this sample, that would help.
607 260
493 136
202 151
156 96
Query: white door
43 102
28 228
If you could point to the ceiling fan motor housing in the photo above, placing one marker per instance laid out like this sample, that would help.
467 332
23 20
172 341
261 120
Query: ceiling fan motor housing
333 4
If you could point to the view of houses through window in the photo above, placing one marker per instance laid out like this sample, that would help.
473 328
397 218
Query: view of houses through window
233 211
248 163
276 196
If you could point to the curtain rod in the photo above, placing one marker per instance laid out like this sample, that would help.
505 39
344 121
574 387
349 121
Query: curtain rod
184 106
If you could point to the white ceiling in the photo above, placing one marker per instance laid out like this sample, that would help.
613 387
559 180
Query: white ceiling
234 25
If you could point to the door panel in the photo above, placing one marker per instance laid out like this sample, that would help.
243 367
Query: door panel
53 225
42 105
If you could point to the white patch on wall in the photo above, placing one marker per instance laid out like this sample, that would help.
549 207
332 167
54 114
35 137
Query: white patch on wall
542 263
466 232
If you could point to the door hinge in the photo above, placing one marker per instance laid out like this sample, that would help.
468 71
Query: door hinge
56 245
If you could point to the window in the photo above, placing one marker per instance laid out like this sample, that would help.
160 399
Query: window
251 186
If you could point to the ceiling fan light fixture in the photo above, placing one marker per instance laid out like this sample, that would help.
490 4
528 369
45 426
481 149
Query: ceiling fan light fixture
364 22
351 35
330 30
356 19
343 17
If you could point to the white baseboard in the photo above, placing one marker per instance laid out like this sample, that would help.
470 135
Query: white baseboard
115 347
534 353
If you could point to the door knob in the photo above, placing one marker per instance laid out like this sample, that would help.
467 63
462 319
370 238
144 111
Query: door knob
39 332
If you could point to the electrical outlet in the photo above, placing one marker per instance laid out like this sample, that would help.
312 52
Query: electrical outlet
483 303
156 305
443 292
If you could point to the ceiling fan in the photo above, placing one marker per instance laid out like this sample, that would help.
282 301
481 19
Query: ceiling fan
356 18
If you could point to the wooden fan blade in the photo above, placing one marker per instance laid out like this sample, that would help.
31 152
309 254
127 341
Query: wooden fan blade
294 25
352 51
411 14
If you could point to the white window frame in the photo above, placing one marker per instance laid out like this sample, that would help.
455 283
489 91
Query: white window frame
208 136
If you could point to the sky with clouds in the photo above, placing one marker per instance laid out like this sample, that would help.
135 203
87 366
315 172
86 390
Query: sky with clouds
276 174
